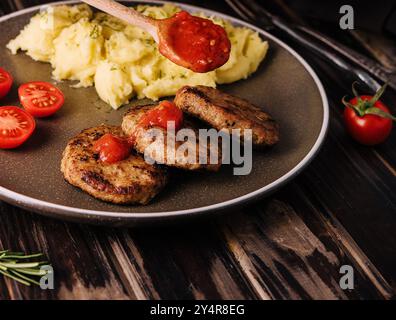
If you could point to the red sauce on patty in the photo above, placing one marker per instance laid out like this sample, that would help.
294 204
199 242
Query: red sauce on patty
112 149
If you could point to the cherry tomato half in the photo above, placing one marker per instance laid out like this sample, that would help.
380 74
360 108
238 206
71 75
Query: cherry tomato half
5 83
16 126
111 148
369 129
40 99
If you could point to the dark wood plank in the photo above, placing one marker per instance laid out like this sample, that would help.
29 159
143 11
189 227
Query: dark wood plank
341 210
357 183
190 261
289 254
270 253
94 263
80 265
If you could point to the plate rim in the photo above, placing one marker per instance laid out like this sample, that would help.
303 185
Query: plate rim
60 211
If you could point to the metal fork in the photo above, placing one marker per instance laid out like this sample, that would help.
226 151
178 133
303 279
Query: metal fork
316 43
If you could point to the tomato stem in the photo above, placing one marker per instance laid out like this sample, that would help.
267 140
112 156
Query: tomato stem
363 107
353 107
355 93
378 94
379 112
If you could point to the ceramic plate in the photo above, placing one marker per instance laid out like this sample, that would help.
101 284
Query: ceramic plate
285 86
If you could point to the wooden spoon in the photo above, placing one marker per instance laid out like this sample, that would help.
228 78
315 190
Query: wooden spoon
202 47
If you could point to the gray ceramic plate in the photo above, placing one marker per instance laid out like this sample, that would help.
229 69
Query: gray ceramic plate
285 85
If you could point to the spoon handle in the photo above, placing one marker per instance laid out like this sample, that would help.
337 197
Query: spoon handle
126 14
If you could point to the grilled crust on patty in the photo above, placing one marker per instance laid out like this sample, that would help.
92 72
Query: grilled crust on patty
129 181
156 149
225 112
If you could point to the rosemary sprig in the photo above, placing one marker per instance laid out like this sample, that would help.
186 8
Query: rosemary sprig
17 266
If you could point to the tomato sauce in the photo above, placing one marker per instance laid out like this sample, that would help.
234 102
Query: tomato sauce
112 149
159 116
199 41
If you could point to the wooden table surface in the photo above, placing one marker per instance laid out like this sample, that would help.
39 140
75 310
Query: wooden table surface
340 211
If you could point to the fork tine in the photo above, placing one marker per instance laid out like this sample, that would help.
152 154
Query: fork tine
241 9
253 12
258 9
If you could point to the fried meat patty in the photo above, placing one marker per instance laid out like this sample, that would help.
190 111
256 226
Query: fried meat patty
146 143
128 181
225 112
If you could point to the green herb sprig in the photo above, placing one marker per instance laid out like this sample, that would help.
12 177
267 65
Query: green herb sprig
18 266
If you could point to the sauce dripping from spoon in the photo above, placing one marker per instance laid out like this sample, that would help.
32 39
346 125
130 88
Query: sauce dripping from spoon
192 42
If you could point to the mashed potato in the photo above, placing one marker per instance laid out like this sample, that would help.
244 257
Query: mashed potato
38 36
77 52
112 83
121 60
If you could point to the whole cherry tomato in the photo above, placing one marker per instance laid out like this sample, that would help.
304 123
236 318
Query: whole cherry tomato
367 119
